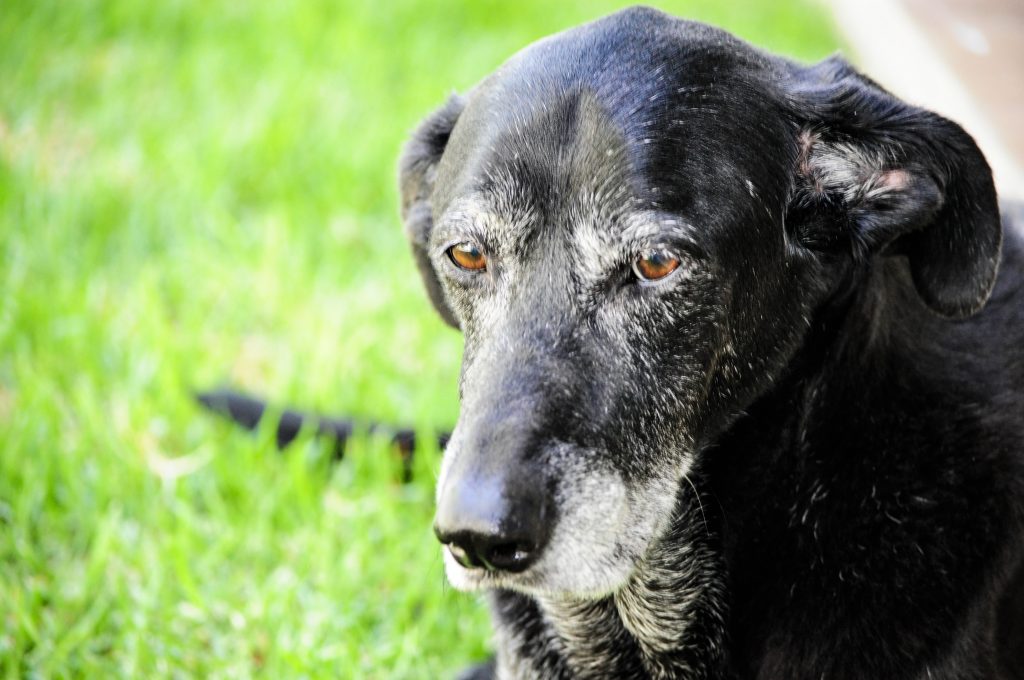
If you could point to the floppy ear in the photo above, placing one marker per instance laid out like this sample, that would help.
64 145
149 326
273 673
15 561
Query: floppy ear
417 168
875 174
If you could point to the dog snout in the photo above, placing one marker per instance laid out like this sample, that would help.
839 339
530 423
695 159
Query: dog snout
493 523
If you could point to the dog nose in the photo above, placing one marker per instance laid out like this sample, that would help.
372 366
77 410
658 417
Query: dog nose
487 525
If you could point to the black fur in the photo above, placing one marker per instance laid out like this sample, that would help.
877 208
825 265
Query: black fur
858 426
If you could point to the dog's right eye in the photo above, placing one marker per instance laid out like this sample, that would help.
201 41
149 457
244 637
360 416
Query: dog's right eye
467 256
655 265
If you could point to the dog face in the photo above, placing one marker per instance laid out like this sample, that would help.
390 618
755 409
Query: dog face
633 224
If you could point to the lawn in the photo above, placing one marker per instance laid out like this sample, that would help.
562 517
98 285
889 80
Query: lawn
196 193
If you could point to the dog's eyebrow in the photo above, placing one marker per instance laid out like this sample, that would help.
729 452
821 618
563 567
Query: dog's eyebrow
602 250
478 218
650 228
467 217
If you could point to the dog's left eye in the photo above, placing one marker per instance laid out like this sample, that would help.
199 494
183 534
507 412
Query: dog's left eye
467 256
654 265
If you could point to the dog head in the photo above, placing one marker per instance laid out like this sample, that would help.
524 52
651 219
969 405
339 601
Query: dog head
633 223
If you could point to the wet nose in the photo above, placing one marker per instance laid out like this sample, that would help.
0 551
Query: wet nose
492 524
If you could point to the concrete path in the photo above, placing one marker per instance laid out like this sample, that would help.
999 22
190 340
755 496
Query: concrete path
961 58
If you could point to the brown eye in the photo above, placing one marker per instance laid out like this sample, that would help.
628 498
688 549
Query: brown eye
655 264
468 256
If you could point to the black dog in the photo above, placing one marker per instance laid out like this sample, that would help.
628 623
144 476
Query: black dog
675 256
733 402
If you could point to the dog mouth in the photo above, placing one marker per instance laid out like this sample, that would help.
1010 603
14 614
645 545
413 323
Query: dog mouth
585 579
537 580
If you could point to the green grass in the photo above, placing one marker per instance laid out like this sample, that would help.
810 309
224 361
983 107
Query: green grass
197 192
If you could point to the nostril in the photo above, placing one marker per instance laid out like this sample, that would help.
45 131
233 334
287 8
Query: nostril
512 557
462 556
489 551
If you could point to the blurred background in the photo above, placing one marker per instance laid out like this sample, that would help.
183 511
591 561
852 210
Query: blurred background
202 192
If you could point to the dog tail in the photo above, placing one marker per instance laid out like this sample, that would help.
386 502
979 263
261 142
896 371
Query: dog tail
249 411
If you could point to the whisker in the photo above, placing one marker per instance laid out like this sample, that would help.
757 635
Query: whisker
699 504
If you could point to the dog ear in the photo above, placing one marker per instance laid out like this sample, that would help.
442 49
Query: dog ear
875 174
417 168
